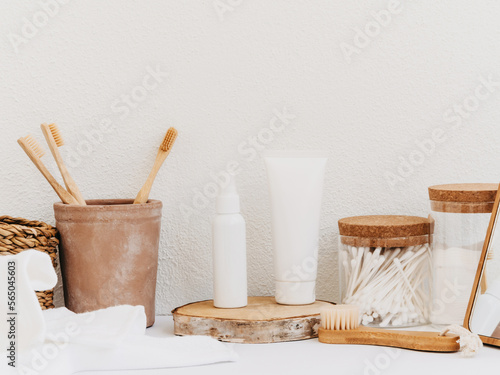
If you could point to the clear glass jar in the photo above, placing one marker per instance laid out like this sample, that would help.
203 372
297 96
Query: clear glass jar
461 214
385 269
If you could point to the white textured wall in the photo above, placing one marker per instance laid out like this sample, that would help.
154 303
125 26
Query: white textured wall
367 101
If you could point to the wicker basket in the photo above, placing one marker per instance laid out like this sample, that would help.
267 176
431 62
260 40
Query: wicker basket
18 234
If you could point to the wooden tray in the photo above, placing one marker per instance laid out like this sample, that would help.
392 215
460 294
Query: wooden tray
262 321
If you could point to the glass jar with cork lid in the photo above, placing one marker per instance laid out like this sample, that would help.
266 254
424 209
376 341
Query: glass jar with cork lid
461 214
385 268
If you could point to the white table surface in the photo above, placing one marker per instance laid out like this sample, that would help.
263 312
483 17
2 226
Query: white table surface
311 357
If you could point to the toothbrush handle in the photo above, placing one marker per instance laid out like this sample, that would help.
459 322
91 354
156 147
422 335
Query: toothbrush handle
143 195
415 340
71 185
61 192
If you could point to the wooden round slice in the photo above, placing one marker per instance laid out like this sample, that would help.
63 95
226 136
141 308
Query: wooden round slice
262 321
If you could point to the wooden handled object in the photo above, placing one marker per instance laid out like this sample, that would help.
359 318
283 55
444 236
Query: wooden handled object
54 140
415 340
61 192
143 195
163 152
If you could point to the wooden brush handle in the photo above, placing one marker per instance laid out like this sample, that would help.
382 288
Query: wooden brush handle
68 180
415 340
61 192
484 283
143 195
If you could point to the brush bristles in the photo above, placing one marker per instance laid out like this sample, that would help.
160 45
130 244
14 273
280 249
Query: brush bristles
169 139
340 317
56 134
34 145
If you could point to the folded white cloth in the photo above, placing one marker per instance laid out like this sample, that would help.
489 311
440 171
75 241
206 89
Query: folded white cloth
114 339
21 275
60 342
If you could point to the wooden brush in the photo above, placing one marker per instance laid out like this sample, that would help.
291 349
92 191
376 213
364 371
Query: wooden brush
163 152
55 140
340 325
35 152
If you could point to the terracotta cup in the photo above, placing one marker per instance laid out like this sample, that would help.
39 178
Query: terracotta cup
109 254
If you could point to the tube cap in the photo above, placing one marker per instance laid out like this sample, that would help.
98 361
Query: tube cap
228 201
295 293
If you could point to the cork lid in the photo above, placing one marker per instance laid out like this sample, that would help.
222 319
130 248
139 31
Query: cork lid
464 193
384 226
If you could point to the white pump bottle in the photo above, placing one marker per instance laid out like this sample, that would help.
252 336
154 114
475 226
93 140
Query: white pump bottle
229 251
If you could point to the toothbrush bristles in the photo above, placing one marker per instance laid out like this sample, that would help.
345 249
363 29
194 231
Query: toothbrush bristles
169 139
34 145
340 317
56 134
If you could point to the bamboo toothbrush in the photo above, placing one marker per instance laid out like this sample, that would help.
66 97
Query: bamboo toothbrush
163 152
55 140
35 152
340 325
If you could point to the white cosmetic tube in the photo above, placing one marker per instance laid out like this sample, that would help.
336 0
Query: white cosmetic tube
296 188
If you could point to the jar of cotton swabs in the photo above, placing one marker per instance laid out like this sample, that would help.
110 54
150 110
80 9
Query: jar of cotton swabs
385 268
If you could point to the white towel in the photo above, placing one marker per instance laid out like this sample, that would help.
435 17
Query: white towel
33 270
60 342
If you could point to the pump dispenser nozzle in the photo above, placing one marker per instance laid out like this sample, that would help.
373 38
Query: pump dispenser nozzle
228 201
